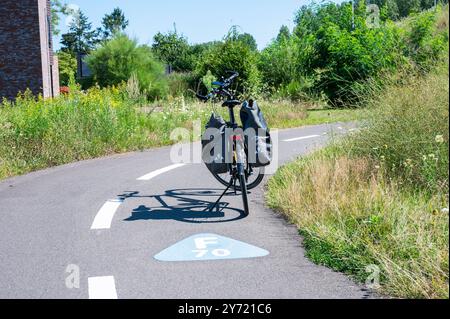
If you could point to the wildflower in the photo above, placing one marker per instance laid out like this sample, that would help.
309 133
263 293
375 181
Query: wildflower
409 162
440 139
377 166
444 211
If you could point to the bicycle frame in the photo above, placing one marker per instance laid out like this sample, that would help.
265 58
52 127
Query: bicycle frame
239 169
232 117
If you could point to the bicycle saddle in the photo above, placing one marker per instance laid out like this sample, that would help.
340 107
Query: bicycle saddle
231 103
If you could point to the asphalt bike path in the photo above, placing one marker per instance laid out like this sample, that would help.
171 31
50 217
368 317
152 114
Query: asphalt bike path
136 226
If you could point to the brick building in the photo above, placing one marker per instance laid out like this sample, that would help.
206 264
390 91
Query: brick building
26 49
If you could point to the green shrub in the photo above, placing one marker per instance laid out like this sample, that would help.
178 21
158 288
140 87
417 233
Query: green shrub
352 57
119 58
333 54
174 50
67 67
181 84
232 55
425 42
283 63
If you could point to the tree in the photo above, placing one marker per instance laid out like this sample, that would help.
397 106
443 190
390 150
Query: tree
248 40
174 50
284 33
232 55
121 58
392 9
396 9
198 49
57 8
332 48
81 37
245 38
407 7
113 23
67 67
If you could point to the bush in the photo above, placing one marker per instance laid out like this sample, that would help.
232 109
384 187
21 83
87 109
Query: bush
180 84
67 67
352 57
283 64
118 59
232 55
425 41
174 50
334 55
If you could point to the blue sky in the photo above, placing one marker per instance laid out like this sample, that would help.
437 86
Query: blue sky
199 20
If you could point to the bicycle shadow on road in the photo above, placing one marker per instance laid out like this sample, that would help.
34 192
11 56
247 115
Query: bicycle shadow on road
189 207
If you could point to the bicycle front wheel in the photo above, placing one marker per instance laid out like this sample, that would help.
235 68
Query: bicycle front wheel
244 191
253 180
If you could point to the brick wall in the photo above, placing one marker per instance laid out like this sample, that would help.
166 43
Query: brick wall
25 49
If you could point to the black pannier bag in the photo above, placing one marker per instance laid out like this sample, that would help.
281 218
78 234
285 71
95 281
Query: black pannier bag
257 134
213 145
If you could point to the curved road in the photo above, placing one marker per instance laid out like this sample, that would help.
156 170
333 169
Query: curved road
92 230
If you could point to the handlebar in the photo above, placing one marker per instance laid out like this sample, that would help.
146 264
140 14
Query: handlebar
231 78
222 89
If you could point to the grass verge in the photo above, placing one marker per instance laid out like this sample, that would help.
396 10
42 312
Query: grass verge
36 134
379 198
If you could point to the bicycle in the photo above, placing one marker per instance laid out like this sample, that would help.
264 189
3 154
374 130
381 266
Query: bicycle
239 170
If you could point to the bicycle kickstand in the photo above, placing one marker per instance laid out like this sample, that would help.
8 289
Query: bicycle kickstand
232 182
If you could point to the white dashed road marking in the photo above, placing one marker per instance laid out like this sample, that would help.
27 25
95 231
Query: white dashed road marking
102 288
105 215
159 172
301 138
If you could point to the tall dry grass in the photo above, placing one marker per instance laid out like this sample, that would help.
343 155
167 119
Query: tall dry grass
381 196
352 217
408 131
